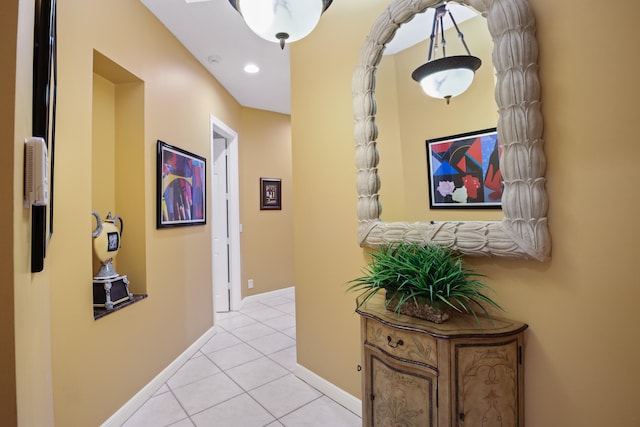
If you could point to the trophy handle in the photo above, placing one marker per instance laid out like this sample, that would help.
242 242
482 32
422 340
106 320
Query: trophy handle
117 218
98 229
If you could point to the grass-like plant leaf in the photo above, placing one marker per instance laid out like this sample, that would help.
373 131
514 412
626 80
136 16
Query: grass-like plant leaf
430 274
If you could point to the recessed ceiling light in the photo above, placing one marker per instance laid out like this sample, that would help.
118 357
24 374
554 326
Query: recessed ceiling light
251 68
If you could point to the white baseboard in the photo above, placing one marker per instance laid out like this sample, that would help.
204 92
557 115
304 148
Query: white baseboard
149 390
340 396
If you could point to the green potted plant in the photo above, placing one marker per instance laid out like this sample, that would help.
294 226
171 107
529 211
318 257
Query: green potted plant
423 281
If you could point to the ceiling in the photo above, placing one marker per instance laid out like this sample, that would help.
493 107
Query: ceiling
218 38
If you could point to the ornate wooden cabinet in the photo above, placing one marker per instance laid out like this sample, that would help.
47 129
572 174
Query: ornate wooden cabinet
458 373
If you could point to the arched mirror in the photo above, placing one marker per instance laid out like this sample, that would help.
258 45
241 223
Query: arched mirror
523 230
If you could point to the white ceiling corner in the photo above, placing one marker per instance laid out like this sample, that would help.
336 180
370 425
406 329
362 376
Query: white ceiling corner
215 34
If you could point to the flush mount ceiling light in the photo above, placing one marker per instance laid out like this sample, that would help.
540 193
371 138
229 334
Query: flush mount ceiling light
251 68
448 76
281 21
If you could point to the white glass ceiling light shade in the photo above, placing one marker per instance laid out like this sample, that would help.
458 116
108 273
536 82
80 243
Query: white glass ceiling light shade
448 76
281 21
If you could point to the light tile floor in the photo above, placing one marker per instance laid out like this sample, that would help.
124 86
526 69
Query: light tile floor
243 377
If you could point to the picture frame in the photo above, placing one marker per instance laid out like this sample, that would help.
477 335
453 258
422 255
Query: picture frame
45 75
270 194
464 171
181 187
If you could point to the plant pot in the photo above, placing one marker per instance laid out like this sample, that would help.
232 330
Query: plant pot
421 310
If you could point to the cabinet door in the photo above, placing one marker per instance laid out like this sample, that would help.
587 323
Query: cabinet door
398 394
487 384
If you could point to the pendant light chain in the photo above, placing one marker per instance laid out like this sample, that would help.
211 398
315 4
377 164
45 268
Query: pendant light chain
460 35
443 41
435 29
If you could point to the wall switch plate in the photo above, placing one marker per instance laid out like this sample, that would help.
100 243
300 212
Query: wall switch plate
36 179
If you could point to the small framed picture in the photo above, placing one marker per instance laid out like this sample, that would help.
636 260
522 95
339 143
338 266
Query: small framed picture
464 171
181 185
270 194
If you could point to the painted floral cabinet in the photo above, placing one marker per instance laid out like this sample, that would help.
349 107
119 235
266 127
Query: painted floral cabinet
458 373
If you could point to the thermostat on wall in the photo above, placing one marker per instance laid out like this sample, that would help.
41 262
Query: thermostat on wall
36 182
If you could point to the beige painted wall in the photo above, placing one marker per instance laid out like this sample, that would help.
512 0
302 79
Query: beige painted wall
581 348
9 36
99 365
66 363
267 235
28 388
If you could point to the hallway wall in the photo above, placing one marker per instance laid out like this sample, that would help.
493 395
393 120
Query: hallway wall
26 397
267 236
581 350
98 365
68 369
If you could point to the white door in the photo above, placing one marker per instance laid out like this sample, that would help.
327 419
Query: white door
225 219
220 216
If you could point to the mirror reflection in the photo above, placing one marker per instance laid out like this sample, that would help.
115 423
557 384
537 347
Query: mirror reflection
407 117
523 230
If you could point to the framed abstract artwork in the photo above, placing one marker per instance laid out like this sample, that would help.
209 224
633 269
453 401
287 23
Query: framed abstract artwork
181 187
464 171
270 194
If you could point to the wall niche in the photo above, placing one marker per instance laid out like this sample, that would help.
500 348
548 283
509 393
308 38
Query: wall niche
118 166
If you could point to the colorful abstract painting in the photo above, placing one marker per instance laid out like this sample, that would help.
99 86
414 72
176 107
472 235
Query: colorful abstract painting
181 187
464 170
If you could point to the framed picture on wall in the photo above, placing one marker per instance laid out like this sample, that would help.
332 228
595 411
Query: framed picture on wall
270 194
45 76
181 187
464 171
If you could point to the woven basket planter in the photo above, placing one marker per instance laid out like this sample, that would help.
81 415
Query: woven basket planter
421 310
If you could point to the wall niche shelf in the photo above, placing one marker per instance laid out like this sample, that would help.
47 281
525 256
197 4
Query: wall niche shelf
118 173
99 312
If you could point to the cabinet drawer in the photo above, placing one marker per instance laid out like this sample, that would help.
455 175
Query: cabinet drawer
407 345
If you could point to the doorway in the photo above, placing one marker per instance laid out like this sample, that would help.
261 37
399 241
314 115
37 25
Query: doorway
225 214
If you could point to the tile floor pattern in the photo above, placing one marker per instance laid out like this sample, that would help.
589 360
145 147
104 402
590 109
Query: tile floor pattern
243 377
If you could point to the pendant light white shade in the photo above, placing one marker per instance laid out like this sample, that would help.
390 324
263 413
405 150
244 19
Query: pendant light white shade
447 77
281 21
447 84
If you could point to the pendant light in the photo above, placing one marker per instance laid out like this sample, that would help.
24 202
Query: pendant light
281 21
448 76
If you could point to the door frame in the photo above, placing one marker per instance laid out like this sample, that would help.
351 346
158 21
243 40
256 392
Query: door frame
220 128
